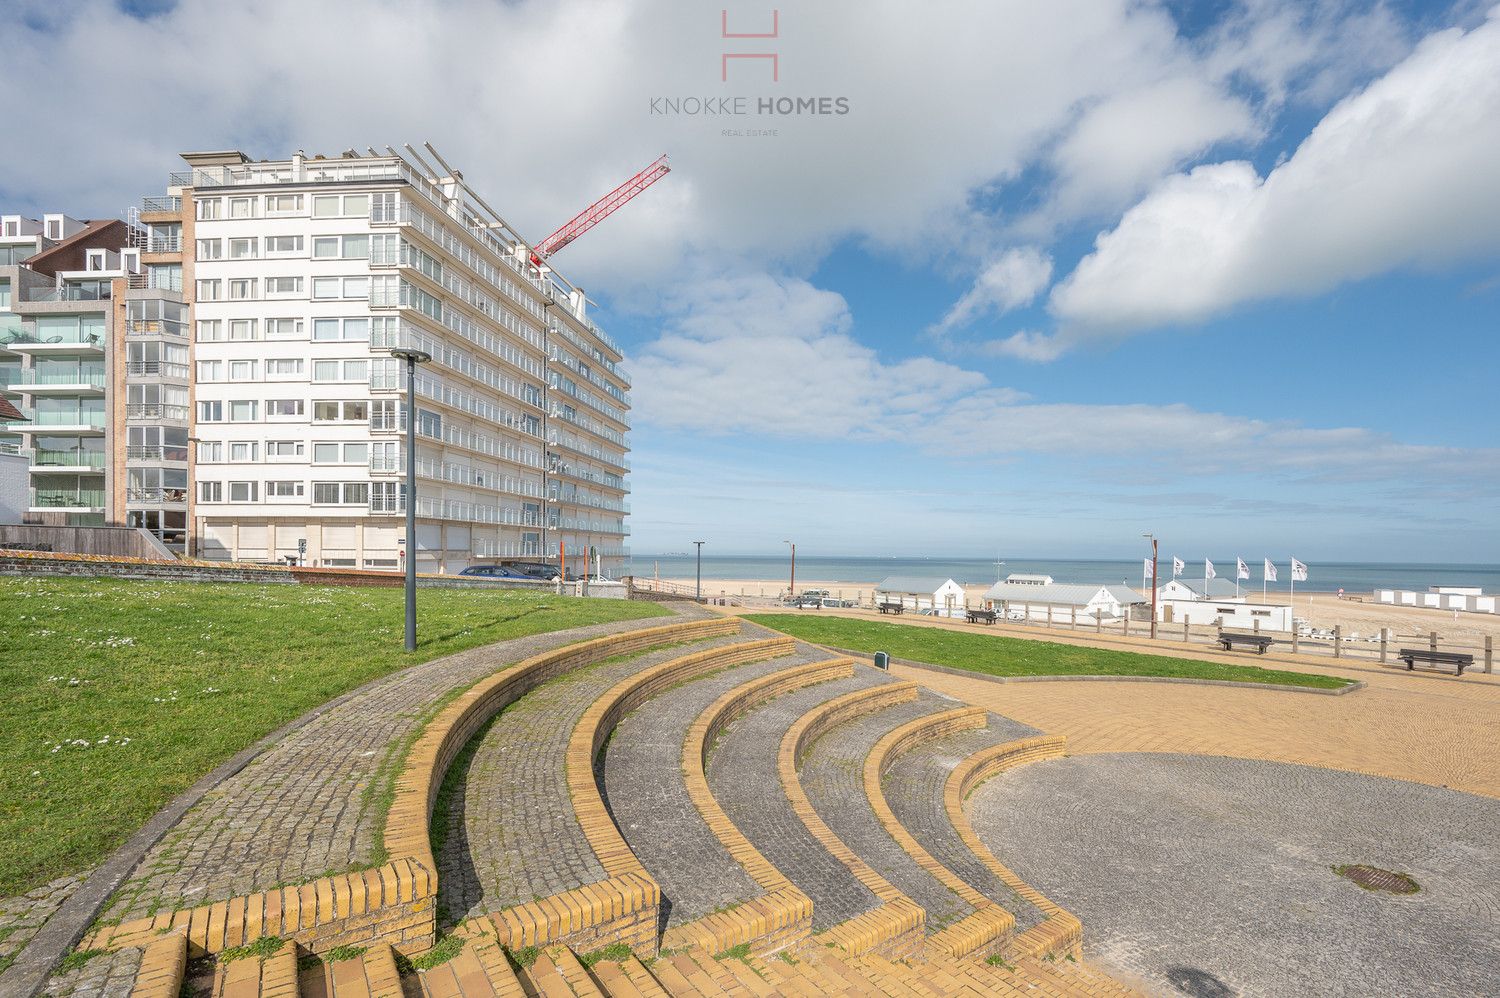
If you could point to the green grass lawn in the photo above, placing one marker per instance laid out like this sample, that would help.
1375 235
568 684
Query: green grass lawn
119 695
1002 656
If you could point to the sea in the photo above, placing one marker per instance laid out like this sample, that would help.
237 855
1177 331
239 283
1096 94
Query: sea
1355 577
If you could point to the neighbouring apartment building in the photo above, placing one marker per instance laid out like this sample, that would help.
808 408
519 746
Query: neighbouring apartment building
250 312
72 298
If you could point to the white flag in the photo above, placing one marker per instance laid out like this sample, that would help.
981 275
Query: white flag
1270 571
1299 571
1146 568
1241 570
1208 570
1178 566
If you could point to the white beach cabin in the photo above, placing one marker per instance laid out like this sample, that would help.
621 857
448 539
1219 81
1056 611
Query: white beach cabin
918 592
1022 597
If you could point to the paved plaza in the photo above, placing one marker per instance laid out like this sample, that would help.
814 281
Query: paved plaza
1214 876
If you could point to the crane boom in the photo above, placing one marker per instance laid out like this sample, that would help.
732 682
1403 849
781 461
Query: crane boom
601 209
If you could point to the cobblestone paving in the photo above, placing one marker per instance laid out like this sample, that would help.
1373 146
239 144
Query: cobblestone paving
647 795
914 789
109 975
833 777
22 916
512 835
742 775
1212 876
309 805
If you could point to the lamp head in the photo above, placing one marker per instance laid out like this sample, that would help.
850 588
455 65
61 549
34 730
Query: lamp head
411 355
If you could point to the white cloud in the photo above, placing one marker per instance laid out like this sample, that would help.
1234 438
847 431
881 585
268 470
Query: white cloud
1011 281
1401 174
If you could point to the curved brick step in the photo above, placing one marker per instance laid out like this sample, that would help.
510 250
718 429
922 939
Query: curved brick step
511 833
744 774
371 974
391 903
913 783
833 776
647 793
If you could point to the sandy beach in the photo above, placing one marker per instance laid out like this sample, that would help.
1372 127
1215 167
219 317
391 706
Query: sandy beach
1321 610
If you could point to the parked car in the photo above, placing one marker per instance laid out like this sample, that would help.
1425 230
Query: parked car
494 572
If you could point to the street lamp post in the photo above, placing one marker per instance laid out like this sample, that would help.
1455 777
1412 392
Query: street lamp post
698 592
792 589
1153 582
413 357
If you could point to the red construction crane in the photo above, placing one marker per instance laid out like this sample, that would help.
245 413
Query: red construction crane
600 210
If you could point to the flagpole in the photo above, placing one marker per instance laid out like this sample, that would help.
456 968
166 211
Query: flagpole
1291 600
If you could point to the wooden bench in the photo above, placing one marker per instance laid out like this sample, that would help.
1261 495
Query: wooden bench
1230 638
891 608
1411 656
981 616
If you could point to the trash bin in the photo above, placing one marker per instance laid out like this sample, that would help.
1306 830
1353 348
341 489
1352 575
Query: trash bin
882 661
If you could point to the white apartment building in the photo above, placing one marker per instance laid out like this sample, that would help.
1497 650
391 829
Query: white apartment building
303 274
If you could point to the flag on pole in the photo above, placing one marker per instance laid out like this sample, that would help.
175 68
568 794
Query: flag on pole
1299 571
1208 570
1241 570
1269 572
1178 566
1145 568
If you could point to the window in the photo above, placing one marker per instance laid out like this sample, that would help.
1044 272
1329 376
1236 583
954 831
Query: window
241 207
242 289
242 370
282 450
356 454
336 370
243 249
210 249
210 370
325 412
210 451
283 329
356 204
210 330
356 287
325 287
356 329
356 493
244 450
325 247
325 493
429 424
283 490
385 374
242 491
242 329
209 290
283 286
325 370
325 329
386 497
286 408
283 245
335 329
282 204
325 205
356 411
386 415
243 410
210 491
283 367
209 210
325 453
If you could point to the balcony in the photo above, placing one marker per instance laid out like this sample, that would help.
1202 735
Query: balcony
63 342
81 422
155 410
57 460
83 379
155 327
85 500
161 244
156 368
143 494
155 452
167 204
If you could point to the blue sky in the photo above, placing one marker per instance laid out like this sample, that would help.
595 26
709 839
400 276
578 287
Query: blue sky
1067 271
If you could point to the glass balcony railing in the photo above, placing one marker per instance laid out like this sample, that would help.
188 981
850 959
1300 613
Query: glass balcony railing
171 202
70 498
50 418
48 376
69 458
